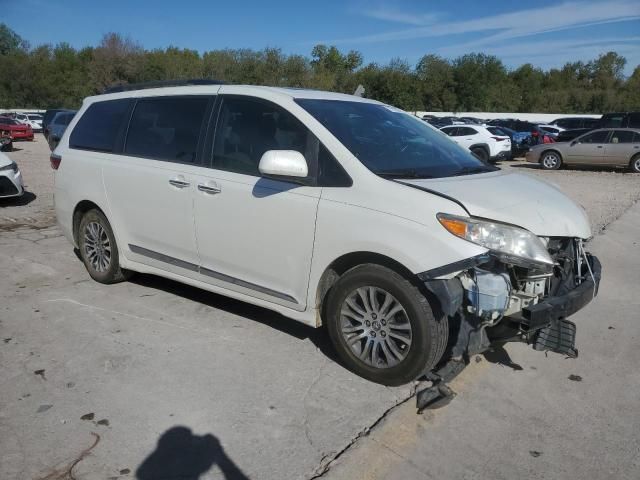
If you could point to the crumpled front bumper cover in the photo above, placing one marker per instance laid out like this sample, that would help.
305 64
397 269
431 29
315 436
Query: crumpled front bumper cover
554 308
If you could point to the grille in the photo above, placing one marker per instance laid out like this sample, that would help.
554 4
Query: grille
7 187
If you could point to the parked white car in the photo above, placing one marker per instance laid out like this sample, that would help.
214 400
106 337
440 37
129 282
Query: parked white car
552 130
34 120
485 145
331 209
10 178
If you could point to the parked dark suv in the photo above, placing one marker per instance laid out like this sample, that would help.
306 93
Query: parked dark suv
608 120
570 123
48 116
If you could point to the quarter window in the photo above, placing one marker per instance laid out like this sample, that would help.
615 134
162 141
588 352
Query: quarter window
166 128
622 136
99 126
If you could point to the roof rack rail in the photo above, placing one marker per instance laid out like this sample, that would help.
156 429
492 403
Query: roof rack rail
125 87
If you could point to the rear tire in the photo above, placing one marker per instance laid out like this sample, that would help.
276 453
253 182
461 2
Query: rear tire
550 160
98 249
391 335
481 153
634 164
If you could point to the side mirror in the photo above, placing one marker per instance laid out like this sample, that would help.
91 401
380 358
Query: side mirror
283 165
574 143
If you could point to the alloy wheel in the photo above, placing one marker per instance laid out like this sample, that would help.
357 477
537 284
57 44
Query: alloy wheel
376 327
550 160
97 247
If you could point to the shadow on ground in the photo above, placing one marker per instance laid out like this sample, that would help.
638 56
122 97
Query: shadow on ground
182 455
576 168
317 336
24 199
498 355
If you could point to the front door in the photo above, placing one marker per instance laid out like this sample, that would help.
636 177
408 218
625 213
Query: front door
255 235
588 149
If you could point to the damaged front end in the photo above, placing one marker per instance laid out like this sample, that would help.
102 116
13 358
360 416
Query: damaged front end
494 300
497 301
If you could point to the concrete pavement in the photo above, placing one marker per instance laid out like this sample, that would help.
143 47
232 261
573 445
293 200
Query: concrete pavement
133 361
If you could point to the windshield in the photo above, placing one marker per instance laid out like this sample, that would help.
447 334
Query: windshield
392 143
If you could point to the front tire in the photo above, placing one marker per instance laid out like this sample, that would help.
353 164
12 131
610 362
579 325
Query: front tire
382 326
98 249
550 160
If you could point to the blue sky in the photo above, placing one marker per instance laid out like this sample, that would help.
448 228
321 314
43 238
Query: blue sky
547 33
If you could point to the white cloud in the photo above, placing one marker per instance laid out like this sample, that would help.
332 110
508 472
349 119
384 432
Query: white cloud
401 17
522 23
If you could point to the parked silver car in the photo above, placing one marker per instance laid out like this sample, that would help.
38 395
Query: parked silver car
613 147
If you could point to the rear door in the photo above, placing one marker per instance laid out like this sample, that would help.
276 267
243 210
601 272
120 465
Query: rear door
255 235
589 148
151 184
467 136
620 147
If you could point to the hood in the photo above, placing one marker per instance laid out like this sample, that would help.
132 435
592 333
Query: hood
517 199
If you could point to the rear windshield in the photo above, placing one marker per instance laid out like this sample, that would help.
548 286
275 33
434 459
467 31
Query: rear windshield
392 143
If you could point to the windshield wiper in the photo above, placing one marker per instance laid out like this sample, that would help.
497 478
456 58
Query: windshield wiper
472 170
402 174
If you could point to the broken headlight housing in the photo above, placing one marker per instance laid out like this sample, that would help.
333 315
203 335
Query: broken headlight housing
510 244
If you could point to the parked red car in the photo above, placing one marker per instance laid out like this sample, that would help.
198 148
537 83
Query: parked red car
15 129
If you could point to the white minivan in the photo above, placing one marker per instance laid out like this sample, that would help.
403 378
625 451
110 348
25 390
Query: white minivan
331 209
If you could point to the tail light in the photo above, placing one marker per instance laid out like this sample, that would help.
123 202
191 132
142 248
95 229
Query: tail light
55 161
500 139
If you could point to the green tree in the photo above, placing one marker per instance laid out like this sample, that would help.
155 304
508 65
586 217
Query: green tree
437 86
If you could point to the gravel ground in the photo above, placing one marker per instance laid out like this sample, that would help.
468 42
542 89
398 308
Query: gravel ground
604 193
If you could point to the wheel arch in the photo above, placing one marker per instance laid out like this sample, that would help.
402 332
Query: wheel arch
80 209
346 262
484 146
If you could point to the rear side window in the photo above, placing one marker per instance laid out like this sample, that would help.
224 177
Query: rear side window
166 128
613 120
466 131
634 120
622 136
99 126
64 119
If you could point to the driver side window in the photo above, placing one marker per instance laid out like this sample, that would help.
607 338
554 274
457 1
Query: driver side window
248 127
595 137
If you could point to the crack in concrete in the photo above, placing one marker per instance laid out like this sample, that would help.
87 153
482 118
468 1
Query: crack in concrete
307 433
328 460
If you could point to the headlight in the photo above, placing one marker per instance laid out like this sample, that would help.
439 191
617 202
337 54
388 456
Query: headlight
12 166
510 244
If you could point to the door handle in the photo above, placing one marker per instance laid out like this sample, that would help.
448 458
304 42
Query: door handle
178 183
208 189
599 146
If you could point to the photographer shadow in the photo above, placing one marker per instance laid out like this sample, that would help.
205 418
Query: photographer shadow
182 455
